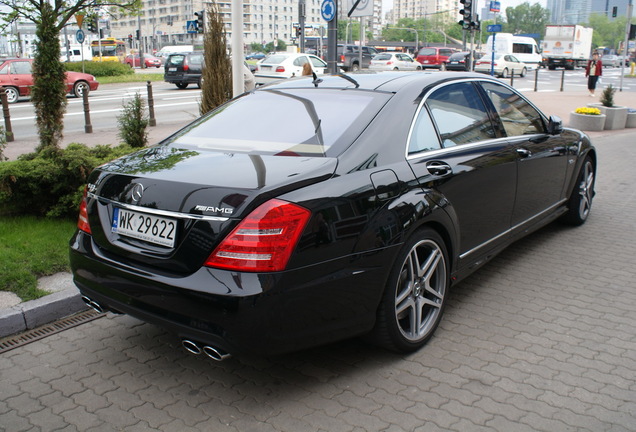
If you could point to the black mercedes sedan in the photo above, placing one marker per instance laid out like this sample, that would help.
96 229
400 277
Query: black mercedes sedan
318 209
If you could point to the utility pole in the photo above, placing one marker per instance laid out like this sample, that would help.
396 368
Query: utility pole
301 23
628 27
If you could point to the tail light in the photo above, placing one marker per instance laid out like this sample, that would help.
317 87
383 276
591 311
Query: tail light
342 58
186 67
280 69
389 62
264 240
82 220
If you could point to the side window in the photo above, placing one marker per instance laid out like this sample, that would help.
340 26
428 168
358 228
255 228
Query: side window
460 114
423 135
21 67
517 116
299 61
5 70
317 63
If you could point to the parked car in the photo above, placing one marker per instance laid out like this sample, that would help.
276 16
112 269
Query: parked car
132 60
17 80
434 57
504 65
379 194
283 65
610 60
394 61
255 56
182 69
348 57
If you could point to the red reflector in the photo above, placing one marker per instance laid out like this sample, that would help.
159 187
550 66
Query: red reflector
82 220
280 69
264 240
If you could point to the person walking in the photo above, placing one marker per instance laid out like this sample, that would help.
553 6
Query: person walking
593 71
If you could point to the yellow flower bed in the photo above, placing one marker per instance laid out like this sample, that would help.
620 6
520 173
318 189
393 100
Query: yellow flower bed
588 111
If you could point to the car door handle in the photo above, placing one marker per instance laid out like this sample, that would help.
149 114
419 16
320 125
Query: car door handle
524 153
439 168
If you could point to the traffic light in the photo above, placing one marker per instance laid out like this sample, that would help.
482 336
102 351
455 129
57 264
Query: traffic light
299 32
200 21
466 14
614 11
92 24
137 34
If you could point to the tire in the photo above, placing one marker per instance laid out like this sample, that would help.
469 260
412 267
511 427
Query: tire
79 88
523 73
12 94
395 69
200 82
504 73
580 201
419 68
355 67
551 67
442 67
181 85
414 298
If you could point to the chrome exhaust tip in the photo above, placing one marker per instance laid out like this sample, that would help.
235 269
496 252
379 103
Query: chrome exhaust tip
93 304
191 347
216 353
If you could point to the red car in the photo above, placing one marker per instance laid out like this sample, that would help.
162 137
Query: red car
16 78
132 60
434 57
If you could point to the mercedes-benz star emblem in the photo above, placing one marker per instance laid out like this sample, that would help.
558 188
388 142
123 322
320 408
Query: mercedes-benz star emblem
137 192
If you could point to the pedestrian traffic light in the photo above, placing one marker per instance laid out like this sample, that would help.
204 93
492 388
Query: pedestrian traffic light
466 13
200 21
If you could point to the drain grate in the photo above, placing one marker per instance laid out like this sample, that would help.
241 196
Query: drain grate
15 341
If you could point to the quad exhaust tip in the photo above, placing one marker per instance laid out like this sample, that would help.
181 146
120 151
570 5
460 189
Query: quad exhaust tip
215 353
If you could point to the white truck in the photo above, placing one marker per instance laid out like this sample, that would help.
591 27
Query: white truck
524 48
567 46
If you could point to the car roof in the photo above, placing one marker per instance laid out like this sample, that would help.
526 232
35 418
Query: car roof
380 81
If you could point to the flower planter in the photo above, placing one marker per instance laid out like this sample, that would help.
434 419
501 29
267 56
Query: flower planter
587 122
631 120
616 116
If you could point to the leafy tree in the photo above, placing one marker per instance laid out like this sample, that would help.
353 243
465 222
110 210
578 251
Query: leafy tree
606 33
526 19
49 90
217 68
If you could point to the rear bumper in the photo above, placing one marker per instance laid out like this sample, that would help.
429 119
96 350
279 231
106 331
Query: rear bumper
182 79
237 312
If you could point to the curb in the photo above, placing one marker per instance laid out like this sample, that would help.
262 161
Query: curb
34 313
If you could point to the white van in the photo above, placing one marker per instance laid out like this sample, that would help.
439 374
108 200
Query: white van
523 47
74 53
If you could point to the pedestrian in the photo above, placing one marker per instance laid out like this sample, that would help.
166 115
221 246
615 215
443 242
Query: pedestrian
593 71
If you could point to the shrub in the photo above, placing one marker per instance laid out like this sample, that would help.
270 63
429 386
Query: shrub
51 183
607 97
3 144
100 69
133 123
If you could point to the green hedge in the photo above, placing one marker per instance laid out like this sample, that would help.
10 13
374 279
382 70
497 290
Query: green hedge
100 69
51 183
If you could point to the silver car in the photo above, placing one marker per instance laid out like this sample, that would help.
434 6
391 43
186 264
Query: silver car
610 60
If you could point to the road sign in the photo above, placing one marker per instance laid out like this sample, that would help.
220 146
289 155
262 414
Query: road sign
191 26
80 36
493 28
328 10
79 18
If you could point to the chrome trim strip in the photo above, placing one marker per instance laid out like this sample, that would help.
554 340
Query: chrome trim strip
177 215
509 230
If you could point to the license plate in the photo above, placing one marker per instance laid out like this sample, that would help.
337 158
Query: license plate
142 226
454 62
172 69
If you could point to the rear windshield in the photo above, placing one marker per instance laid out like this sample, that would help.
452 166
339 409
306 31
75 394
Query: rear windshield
428 51
275 59
307 122
382 57
176 59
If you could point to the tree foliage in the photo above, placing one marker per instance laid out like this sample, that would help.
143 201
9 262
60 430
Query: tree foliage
217 68
607 33
49 90
526 18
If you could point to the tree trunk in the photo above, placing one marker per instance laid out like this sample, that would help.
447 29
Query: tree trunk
49 89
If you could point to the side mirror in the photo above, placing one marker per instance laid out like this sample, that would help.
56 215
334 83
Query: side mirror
555 125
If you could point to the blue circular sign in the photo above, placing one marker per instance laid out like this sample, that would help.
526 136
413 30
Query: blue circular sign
328 10
79 36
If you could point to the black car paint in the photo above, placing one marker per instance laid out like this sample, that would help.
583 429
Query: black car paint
364 206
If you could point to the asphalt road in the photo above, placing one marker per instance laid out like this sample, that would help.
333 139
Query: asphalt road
540 339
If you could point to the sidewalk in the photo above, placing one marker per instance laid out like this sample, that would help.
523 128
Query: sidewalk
16 317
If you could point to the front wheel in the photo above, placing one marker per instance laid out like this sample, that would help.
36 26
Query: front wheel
80 88
415 295
524 71
504 73
12 94
580 202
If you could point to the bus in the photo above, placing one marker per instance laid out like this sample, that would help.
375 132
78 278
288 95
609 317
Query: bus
108 49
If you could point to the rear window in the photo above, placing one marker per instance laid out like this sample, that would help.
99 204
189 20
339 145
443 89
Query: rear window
305 122
275 59
382 57
195 58
428 52
176 59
